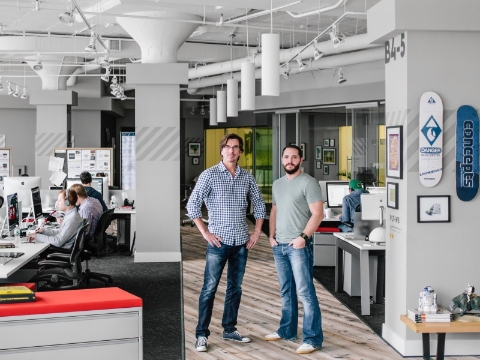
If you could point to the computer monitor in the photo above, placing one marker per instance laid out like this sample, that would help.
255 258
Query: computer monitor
336 191
22 186
97 183
12 214
371 204
37 203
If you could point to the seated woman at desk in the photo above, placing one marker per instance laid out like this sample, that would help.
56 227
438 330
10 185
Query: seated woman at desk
65 235
349 204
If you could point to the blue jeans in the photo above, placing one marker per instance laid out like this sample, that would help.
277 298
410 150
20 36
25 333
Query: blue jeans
295 275
216 260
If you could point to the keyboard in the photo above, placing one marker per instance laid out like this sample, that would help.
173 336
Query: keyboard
4 260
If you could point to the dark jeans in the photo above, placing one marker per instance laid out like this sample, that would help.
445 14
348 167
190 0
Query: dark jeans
216 260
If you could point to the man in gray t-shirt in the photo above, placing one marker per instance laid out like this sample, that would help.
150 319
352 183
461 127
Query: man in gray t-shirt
297 211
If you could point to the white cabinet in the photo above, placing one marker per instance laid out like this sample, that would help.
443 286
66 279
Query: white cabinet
323 249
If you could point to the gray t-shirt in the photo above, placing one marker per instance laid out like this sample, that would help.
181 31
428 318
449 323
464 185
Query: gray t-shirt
292 197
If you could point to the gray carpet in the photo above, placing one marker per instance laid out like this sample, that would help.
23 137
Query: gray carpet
325 275
160 287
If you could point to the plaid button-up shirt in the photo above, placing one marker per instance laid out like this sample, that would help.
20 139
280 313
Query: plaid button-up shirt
226 200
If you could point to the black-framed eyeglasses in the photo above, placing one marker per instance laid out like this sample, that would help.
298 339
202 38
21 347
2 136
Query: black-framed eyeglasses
234 148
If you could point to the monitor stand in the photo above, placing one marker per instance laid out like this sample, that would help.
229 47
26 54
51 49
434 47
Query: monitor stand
28 217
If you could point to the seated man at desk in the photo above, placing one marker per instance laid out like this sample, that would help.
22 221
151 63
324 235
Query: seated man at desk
349 204
88 208
65 235
86 179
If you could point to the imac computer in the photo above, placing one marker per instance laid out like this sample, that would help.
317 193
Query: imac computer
374 208
98 183
12 216
37 203
376 190
336 191
22 186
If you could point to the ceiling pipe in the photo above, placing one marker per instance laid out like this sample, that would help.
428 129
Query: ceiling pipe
72 80
319 11
352 43
351 58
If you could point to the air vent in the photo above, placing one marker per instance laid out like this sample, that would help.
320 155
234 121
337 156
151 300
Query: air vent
114 45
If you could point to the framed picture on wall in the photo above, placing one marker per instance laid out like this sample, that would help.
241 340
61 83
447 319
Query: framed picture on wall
332 142
329 156
395 152
392 195
318 152
325 170
433 208
194 149
303 146
195 161
326 142
319 164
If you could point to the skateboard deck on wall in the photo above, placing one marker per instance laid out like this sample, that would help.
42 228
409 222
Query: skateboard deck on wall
430 164
466 153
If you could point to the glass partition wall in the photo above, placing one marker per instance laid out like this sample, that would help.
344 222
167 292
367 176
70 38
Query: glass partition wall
340 143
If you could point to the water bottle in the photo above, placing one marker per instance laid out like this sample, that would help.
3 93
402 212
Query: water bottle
16 233
113 202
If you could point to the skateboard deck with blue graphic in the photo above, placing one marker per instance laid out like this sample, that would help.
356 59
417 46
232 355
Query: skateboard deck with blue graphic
466 153
430 164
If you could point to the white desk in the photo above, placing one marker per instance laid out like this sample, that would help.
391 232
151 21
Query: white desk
30 251
361 249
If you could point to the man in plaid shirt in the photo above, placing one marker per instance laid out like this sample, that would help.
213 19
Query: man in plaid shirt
224 188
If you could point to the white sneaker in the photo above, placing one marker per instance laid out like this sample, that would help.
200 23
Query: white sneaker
273 337
306 349
201 344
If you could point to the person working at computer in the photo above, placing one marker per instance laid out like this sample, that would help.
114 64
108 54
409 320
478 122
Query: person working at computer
297 211
89 208
349 205
65 235
225 188
86 179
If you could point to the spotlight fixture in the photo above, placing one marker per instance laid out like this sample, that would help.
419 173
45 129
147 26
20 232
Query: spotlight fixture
336 37
24 95
114 91
317 54
38 66
36 5
202 111
105 77
220 23
17 90
91 46
10 91
120 92
301 65
104 63
67 16
1 85
341 79
286 73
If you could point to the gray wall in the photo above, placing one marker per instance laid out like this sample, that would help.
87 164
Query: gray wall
19 126
86 127
193 133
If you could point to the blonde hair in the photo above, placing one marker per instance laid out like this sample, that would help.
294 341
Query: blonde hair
80 190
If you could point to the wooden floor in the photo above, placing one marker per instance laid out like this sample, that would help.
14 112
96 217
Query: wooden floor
345 336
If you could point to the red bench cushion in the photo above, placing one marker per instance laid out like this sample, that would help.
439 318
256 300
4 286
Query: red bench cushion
73 300
328 229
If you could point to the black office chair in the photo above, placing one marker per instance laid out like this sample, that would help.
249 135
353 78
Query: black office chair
98 243
62 271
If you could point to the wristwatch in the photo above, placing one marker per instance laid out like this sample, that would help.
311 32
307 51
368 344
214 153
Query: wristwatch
304 236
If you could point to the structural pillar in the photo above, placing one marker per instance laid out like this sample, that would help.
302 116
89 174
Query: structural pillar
429 46
53 126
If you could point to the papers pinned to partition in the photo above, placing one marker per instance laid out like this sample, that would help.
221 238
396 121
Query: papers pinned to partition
58 177
55 164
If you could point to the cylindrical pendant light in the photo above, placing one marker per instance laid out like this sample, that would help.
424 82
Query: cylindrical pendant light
270 64
213 112
248 86
232 97
221 106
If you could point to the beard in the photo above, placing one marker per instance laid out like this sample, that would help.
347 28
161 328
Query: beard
293 170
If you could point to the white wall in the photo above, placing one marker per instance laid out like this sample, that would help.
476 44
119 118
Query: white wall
86 127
